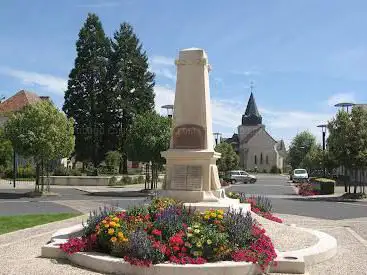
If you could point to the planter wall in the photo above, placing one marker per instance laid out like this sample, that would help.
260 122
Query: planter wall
323 186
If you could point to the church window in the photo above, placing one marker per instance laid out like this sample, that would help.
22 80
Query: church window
261 158
267 160
255 159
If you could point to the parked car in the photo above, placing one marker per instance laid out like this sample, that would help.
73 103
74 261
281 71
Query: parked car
299 175
240 176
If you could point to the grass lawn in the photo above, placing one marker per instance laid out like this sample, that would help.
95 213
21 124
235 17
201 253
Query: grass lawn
13 223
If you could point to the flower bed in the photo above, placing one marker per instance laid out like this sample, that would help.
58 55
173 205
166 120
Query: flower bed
306 189
259 204
166 231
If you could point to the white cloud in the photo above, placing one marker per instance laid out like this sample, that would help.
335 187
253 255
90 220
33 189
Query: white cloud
246 73
99 5
163 66
47 82
163 60
341 97
163 96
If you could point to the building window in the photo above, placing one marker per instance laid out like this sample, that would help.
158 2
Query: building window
261 158
267 160
255 159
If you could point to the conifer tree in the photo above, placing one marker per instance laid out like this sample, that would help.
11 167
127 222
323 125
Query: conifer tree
86 90
130 88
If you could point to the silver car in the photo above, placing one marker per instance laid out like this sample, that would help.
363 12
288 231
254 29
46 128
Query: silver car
240 176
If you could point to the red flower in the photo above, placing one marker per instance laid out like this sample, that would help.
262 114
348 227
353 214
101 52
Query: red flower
157 232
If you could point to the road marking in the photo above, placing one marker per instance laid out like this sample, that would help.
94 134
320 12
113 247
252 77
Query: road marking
351 203
357 236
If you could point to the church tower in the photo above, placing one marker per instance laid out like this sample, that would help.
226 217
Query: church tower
251 116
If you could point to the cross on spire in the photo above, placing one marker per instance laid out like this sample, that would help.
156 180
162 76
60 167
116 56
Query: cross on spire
252 115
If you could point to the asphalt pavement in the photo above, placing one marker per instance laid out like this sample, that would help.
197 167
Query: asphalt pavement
276 187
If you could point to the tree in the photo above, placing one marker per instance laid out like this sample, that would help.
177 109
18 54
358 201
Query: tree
148 136
6 151
229 159
86 92
301 144
358 142
130 85
41 132
313 160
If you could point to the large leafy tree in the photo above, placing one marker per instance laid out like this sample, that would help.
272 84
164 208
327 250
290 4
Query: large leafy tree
229 159
85 95
148 136
301 145
130 85
41 132
6 151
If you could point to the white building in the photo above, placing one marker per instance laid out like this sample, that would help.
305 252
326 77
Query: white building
257 149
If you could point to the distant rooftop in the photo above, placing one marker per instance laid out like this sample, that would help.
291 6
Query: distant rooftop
20 100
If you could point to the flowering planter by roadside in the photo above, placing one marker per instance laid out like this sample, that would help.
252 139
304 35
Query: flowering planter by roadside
323 186
166 232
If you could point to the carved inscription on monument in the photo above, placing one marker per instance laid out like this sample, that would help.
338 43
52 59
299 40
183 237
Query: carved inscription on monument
189 136
186 177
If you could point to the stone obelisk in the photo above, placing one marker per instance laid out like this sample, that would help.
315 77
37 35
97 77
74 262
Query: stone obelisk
192 174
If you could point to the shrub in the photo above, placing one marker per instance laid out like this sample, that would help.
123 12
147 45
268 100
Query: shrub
265 171
165 231
323 186
75 172
61 171
125 180
274 170
112 181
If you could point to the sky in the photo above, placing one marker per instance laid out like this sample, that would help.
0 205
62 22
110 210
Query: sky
303 56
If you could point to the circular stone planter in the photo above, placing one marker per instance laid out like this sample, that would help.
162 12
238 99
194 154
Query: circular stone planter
287 262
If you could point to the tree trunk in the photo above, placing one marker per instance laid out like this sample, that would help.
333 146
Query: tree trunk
147 178
124 164
355 180
42 178
36 189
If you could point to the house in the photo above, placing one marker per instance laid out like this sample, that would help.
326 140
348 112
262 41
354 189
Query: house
17 102
257 149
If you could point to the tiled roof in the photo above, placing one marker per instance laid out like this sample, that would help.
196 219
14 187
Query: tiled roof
18 101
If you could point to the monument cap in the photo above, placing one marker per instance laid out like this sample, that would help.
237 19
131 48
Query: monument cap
192 54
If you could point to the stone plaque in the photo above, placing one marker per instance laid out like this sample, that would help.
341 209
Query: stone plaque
179 176
186 177
194 178
188 136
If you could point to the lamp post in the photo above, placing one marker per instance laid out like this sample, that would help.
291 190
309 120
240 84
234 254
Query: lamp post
323 129
169 109
344 105
217 136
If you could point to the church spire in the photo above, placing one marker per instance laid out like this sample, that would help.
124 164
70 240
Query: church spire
252 116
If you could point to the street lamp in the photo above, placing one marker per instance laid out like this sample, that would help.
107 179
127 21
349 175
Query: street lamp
169 109
344 105
323 129
217 136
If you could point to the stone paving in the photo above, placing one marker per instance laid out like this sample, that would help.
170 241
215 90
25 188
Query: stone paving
20 250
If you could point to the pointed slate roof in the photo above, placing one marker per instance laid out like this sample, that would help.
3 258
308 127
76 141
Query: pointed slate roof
252 116
251 108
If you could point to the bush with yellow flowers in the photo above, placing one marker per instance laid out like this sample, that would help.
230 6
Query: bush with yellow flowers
167 231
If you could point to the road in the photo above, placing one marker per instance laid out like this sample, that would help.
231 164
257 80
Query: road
277 188
286 201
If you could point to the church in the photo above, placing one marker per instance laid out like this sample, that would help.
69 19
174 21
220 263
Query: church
257 149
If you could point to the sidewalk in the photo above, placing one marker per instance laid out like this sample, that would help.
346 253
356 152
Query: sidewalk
20 250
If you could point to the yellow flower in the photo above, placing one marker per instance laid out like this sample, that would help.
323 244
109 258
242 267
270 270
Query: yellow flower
111 231
213 215
220 217
198 244
220 212
107 225
113 239
104 221
120 235
112 224
125 239
206 217
115 219
209 242
197 231
189 235
118 225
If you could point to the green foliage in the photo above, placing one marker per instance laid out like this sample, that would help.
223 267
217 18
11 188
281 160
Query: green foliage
86 92
24 172
300 146
95 217
229 159
6 150
130 85
113 158
274 170
149 135
41 131
63 171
